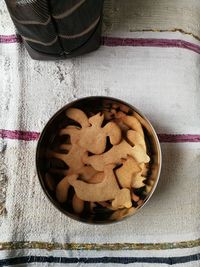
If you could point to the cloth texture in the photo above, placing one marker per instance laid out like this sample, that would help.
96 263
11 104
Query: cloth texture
149 57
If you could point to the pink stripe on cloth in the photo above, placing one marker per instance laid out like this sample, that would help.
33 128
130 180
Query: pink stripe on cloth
135 42
150 42
7 39
164 138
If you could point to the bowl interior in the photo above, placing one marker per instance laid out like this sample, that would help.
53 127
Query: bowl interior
50 140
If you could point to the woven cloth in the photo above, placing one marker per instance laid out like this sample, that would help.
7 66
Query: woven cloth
149 57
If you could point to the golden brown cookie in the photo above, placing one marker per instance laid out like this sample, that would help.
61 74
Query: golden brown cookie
126 172
77 204
62 190
115 156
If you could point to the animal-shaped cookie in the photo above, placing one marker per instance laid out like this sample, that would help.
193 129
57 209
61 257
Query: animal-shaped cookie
62 190
131 121
136 138
77 204
138 180
115 156
108 189
92 136
125 174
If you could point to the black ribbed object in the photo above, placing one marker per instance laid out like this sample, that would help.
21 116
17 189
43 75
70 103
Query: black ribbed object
57 28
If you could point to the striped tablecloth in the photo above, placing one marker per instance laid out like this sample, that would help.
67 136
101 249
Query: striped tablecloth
150 57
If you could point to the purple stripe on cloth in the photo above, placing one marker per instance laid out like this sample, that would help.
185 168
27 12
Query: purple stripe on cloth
19 135
164 138
179 138
135 42
7 39
150 42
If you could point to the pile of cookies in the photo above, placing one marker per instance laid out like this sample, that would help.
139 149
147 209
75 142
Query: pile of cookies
106 158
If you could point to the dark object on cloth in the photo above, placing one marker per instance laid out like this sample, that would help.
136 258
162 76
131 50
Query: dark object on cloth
57 29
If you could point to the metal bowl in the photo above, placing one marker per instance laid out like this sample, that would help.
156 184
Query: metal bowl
49 139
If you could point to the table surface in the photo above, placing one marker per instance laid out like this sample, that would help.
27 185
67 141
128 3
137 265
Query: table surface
150 58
